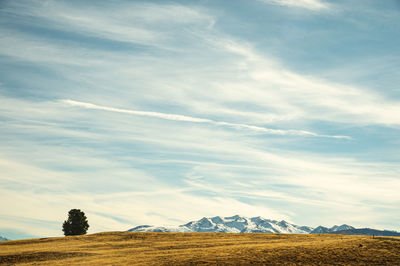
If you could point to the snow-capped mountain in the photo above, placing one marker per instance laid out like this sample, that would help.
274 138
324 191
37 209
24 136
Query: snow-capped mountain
3 239
240 224
325 230
233 224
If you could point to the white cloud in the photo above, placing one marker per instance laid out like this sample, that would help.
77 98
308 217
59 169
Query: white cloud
315 5
270 84
126 22
141 113
184 118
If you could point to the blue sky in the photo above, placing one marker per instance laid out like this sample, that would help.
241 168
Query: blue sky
162 112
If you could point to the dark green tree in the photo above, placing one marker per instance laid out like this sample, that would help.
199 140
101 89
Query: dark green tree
76 224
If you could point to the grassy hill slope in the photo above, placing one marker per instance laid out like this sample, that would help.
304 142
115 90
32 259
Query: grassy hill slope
121 248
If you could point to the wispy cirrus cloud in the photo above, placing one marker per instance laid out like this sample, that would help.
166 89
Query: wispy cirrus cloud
315 5
185 118
113 23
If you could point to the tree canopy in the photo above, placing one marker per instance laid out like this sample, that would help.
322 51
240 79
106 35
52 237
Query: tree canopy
76 224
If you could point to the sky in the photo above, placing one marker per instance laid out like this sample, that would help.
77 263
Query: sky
163 112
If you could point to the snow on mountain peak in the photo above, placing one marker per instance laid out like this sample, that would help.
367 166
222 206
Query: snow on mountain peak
217 219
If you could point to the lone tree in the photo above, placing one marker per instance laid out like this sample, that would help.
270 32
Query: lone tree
76 224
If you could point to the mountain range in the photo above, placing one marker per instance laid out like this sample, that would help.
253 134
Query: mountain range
240 224
367 232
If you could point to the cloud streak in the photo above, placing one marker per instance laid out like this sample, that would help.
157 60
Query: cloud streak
315 5
184 118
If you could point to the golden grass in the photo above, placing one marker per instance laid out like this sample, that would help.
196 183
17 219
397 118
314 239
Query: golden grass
124 248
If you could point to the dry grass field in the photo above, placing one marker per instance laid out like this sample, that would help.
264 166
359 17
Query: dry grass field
123 248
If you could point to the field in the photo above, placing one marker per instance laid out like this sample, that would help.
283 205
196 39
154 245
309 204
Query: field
124 248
